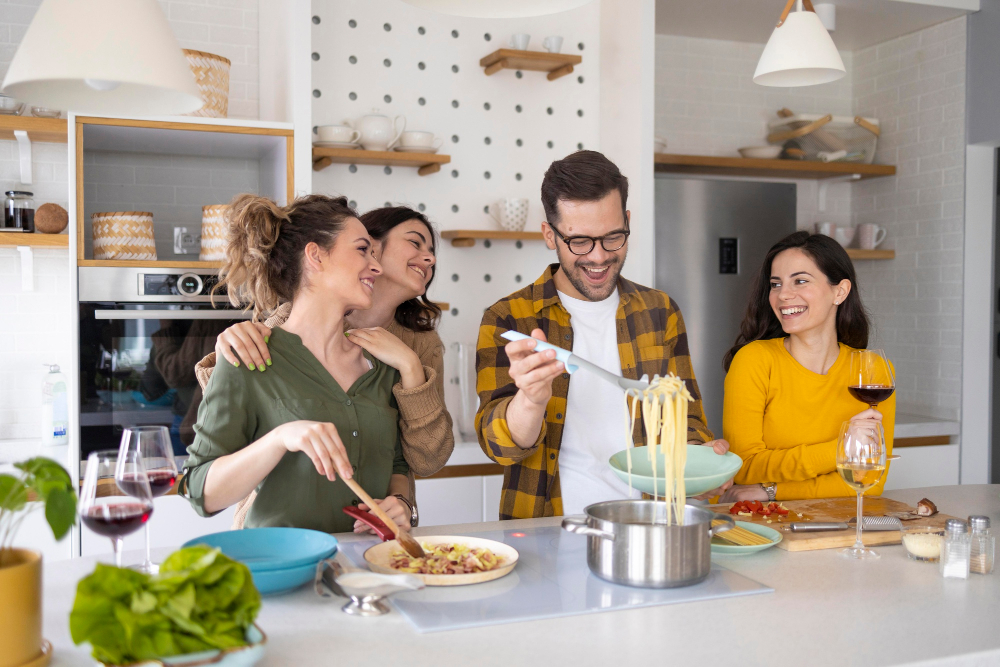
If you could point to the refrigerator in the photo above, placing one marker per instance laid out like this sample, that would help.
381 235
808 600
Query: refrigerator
711 239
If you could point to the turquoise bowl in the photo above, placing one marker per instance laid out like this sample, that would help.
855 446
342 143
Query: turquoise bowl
737 550
273 582
705 470
265 549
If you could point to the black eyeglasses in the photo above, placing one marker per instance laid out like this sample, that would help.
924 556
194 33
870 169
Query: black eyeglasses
583 245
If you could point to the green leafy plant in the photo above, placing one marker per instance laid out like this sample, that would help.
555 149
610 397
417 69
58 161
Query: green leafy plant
200 600
42 483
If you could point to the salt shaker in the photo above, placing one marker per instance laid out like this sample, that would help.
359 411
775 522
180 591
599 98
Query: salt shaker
955 550
983 544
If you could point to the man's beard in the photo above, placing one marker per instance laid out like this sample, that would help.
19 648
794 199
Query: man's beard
574 272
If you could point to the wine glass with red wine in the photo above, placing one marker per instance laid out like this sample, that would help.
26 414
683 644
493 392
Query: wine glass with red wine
871 380
152 444
105 507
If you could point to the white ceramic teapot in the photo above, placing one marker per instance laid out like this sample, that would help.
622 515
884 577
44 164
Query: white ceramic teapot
378 132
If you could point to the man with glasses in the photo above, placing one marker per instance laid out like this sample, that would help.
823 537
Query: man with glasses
553 436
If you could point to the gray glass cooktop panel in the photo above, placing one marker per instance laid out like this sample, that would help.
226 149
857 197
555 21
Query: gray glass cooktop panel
551 579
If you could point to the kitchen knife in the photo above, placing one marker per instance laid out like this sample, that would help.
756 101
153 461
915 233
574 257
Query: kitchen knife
869 523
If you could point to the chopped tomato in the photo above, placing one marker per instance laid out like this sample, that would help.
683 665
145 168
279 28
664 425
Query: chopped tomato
764 511
735 509
781 511
756 505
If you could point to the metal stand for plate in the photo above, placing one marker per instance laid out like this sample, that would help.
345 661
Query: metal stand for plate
366 606
327 572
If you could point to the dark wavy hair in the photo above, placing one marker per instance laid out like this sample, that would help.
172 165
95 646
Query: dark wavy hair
760 322
419 313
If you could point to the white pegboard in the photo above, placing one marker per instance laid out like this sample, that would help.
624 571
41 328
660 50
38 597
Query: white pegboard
351 47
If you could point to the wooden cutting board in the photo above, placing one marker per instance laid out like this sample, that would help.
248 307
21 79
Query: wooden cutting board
835 509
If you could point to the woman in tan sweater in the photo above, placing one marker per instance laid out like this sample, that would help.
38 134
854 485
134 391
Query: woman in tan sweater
399 329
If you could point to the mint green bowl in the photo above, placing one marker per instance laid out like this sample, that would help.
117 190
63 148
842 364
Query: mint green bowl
705 470
737 550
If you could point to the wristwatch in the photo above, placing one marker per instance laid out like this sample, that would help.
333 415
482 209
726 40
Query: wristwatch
771 489
414 515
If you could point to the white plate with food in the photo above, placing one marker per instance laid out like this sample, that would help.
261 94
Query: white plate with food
460 560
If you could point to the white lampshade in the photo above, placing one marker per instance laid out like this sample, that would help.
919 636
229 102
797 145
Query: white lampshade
799 53
102 56
497 9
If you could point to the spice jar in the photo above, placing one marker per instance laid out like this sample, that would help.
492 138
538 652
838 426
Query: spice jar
19 212
955 551
983 544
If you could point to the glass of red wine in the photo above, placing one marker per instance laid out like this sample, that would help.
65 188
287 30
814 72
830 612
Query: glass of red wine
152 444
871 380
105 506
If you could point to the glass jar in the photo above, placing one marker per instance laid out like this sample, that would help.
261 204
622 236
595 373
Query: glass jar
955 550
983 545
19 211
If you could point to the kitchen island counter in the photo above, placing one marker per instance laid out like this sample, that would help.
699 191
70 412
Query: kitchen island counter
825 611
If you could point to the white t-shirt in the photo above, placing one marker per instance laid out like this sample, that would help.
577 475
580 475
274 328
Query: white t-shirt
595 418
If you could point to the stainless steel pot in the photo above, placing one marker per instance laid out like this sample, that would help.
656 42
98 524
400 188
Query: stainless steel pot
630 543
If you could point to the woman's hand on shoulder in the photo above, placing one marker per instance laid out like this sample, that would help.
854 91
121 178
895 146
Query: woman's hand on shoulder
394 507
249 342
388 349
320 442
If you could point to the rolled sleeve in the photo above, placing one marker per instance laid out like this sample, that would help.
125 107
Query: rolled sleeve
495 437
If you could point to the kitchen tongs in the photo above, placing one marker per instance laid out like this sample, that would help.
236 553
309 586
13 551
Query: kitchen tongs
573 363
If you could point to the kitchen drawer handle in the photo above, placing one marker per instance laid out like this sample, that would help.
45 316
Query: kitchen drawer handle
172 315
578 525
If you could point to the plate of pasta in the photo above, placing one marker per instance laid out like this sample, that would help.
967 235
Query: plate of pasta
453 560
704 470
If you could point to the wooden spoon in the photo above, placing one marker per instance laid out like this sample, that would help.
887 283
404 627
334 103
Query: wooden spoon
409 544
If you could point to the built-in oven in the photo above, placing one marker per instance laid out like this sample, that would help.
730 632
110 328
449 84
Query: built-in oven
141 333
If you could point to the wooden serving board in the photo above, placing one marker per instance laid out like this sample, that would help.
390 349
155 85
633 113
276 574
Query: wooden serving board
835 509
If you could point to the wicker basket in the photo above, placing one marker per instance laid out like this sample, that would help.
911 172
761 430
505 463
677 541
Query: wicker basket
213 233
211 73
124 235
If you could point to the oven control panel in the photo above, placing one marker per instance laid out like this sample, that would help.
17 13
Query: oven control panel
178 284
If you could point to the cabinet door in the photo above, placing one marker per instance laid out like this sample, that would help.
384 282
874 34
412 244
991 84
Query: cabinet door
35 534
173 523
929 465
450 500
492 485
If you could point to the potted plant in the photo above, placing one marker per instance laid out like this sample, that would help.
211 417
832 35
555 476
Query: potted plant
42 483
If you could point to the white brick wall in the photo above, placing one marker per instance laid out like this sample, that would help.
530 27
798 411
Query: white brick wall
708 104
915 86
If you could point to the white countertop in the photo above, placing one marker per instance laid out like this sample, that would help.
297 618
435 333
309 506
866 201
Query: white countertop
825 611
916 426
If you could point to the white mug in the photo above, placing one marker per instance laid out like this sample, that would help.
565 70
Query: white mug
844 235
339 133
418 139
826 228
510 213
870 235
520 41
553 43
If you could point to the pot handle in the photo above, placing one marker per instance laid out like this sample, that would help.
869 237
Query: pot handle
578 525
728 524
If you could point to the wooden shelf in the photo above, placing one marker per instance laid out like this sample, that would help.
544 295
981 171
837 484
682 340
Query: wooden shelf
556 64
739 166
464 238
426 163
49 130
36 240
858 253
141 263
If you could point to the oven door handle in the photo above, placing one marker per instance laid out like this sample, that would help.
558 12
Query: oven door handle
173 314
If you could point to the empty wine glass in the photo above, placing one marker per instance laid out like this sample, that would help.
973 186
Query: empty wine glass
861 453
871 380
105 507
152 443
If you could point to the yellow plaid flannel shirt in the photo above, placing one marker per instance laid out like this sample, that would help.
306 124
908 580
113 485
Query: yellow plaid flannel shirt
651 340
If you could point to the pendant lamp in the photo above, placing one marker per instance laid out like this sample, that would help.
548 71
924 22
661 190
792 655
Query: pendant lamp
102 56
800 51
497 9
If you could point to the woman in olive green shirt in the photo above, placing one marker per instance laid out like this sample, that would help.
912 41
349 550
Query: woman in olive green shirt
327 409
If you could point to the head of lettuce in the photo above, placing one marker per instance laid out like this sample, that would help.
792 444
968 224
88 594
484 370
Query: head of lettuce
201 600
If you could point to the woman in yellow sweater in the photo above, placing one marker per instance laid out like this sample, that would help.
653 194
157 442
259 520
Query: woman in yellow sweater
786 388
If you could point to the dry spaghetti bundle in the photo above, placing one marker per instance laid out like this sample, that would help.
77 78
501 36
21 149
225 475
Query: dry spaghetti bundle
664 408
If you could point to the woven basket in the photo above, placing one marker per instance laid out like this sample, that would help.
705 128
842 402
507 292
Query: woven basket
213 233
211 73
124 235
